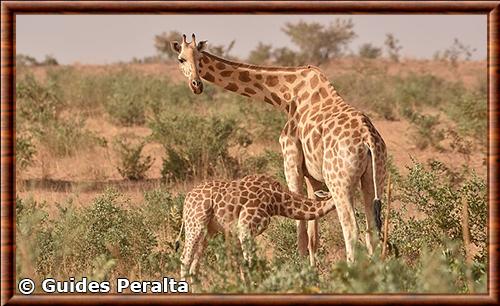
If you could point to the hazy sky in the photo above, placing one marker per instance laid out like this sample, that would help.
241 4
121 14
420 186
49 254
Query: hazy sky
111 38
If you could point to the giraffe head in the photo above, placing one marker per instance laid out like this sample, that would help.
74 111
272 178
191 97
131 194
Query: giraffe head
188 55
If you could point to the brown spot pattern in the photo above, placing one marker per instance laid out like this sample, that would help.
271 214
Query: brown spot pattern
323 93
299 86
315 97
209 77
220 66
244 76
290 78
250 91
272 80
231 87
275 98
258 85
314 81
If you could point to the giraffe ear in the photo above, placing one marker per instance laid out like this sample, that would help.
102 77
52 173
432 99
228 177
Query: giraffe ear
201 45
176 47
322 194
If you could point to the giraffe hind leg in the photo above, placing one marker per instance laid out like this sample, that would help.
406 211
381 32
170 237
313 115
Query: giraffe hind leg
211 229
344 204
202 244
372 210
312 225
245 238
193 238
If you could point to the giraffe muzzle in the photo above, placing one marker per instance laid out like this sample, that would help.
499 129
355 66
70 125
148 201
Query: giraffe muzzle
196 86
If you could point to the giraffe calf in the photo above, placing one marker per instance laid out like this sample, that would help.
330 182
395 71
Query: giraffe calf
247 204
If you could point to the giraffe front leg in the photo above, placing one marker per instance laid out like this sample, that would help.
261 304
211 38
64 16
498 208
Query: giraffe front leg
293 160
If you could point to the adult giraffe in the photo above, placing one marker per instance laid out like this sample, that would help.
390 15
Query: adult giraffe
324 140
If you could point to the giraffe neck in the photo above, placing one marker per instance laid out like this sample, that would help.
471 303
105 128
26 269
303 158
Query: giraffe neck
278 86
297 207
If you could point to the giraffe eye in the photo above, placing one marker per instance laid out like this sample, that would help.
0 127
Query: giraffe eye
181 60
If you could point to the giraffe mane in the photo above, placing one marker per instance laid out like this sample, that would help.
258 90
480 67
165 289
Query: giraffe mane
256 67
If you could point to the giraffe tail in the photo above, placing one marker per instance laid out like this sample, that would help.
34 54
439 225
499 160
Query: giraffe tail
377 203
177 241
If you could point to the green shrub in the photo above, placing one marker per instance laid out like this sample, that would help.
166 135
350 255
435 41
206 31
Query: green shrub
470 112
267 122
368 88
132 165
105 227
269 162
25 150
34 241
133 95
82 91
39 114
426 131
126 104
161 209
37 103
437 194
283 238
109 225
433 272
195 146
371 87
83 241
65 138
416 90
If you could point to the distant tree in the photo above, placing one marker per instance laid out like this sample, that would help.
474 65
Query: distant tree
162 43
318 43
393 47
262 54
457 51
287 57
26 60
437 56
222 50
49 61
367 50
146 59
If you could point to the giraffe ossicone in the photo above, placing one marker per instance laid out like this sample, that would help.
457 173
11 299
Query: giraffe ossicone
325 140
247 205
